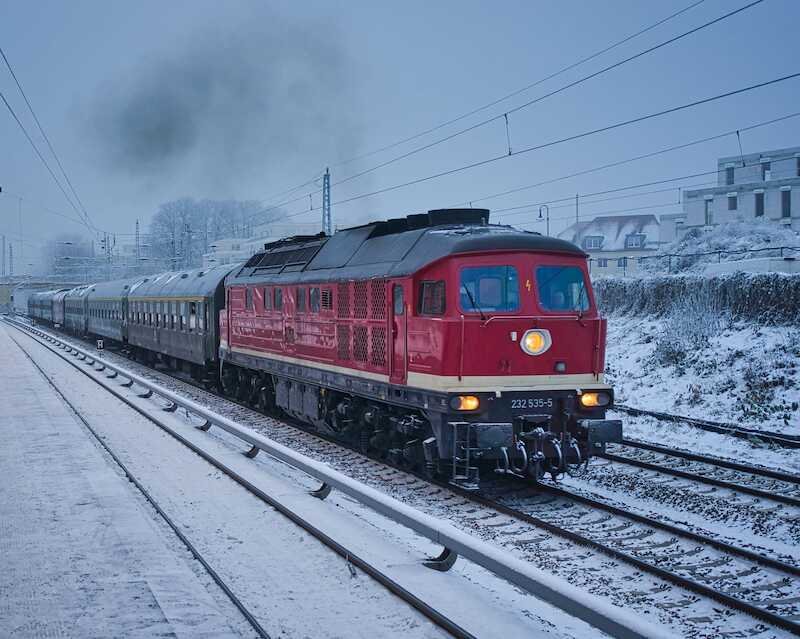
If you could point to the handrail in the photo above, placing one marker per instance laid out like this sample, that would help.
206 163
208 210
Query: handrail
595 611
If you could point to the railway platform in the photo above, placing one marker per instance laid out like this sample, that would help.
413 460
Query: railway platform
80 555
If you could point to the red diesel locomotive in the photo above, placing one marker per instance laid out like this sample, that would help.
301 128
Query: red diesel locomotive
439 339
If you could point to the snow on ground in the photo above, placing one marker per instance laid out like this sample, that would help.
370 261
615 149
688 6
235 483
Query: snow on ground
739 373
293 584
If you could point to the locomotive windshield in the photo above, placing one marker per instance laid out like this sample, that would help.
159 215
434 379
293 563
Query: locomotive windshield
562 288
489 288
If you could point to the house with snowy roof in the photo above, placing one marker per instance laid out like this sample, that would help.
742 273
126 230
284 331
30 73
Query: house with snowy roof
615 243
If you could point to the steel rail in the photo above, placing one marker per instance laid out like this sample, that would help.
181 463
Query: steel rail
690 584
555 590
703 479
152 501
439 619
715 461
779 439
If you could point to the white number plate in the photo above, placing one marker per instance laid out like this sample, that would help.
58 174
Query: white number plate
531 402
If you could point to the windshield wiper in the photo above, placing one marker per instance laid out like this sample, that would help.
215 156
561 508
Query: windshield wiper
473 302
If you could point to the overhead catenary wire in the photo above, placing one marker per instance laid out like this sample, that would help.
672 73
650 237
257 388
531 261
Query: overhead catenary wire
555 74
635 158
82 212
621 163
549 94
517 92
570 138
41 157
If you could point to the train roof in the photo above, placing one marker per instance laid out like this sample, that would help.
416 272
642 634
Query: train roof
79 291
201 282
391 248
113 289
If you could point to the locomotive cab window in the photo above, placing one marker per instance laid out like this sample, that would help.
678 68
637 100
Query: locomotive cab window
562 288
489 288
248 298
300 296
431 298
267 299
278 299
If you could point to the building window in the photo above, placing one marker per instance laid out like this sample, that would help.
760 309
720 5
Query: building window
786 203
602 262
766 171
431 298
728 175
593 241
709 212
635 240
759 204
622 262
733 202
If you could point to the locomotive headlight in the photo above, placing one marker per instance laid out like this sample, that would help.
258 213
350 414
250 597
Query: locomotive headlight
535 341
465 402
593 400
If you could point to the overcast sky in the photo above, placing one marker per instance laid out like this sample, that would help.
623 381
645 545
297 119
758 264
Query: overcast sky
151 101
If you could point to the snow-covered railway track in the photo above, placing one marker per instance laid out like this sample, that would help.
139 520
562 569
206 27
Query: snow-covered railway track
446 623
531 532
191 547
782 440
764 587
765 484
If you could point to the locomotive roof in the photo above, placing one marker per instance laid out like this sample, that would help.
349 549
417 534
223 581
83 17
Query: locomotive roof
393 248
200 282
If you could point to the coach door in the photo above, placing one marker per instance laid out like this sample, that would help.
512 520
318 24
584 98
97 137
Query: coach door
399 318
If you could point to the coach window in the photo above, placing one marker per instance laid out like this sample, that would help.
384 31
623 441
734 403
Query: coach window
200 323
314 300
489 288
562 288
300 294
248 298
267 299
431 298
397 299
278 299
193 312
181 315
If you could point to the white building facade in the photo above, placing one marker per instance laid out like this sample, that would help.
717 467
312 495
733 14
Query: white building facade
762 185
615 244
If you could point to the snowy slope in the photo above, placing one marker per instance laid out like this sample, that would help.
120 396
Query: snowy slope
739 372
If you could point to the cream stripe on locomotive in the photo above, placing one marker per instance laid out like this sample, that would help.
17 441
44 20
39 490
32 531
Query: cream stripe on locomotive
443 383
489 383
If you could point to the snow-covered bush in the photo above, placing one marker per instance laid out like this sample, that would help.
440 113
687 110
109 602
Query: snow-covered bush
737 239
765 298
693 320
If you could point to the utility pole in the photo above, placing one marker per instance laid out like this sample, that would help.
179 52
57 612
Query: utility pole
137 242
576 208
11 259
327 223
3 266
